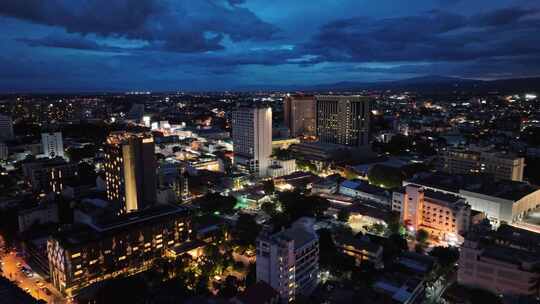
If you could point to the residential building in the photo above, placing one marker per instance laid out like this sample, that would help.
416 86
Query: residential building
252 139
343 120
6 127
503 261
443 215
299 113
289 260
49 175
477 160
52 144
130 170
114 246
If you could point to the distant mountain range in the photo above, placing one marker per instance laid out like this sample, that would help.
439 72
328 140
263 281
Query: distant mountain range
435 83
428 84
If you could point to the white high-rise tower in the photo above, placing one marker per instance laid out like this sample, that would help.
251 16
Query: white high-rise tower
252 138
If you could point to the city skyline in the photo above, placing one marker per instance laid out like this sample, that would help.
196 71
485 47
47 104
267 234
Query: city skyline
218 45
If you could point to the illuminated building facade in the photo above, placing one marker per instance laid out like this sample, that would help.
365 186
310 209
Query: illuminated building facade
130 170
343 120
501 166
118 247
181 186
443 215
6 127
289 260
53 145
300 115
252 139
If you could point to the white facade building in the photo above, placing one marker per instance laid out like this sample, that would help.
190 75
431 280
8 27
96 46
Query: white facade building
289 260
252 138
53 145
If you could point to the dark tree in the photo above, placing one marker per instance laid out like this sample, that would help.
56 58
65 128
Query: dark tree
215 202
384 176
446 256
247 229
343 215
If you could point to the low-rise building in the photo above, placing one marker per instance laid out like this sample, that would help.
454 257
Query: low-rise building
503 201
364 191
362 249
478 160
502 261
280 168
44 213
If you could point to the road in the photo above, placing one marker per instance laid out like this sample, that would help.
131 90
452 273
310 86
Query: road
12 271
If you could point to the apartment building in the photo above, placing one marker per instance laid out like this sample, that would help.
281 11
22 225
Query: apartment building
289 260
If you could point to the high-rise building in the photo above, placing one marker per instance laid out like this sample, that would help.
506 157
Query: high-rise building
114 247
6 127
252 138
343 120
180 185
300 113
52 144
478 160
289 260
443 215
130 170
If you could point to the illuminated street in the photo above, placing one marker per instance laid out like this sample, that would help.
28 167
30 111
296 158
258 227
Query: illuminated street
30 285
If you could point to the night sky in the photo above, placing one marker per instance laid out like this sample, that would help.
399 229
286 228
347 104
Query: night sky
100 45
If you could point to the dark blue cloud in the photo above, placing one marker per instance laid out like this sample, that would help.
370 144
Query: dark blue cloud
214 44
182 26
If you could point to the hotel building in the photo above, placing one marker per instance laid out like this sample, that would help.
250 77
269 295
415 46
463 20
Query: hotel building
343 120
289 260
130 170
443 215
252 139
300 114
117 247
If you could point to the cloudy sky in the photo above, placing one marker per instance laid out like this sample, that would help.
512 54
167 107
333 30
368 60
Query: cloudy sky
99 45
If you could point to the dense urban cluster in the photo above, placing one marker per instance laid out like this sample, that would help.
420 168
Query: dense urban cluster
323 197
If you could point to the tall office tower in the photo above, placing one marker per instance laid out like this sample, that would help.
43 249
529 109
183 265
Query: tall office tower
343 120
6 127
130 170
252 138
52 143
289 260
300 113
180 185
